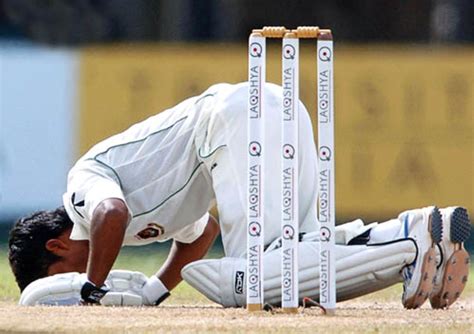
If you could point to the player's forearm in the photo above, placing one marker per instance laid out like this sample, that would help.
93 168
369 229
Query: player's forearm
181 254
108 226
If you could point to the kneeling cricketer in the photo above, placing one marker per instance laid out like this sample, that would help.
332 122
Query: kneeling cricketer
157 181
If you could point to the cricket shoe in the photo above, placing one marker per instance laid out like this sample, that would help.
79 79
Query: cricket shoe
453 265
424 227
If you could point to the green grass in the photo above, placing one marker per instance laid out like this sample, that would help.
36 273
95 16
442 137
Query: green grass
149 259
8 288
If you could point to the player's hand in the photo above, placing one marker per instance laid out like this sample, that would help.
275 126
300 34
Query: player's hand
59 289
129 284
92 294
126 288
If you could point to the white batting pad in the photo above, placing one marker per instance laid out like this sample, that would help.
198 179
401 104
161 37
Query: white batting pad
359 270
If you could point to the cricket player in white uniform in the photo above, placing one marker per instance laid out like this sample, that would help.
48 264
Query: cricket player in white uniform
158 180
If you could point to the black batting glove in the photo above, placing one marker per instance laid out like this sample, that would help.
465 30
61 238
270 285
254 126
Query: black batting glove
91 294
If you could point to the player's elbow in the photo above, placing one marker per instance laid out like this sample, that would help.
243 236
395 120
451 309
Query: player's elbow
113 212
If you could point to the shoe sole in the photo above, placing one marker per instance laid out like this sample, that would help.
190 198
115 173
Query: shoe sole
456 272
428 264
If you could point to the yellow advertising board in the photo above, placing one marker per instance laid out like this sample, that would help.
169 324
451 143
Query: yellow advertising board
404 116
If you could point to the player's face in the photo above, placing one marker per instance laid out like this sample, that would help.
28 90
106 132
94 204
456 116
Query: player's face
79 254
73 254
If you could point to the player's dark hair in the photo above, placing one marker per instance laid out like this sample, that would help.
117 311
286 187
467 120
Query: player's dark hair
28 256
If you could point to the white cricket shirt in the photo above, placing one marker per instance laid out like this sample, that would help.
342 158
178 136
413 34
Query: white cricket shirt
153 166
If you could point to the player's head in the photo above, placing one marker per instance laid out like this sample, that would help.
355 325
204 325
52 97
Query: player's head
39 246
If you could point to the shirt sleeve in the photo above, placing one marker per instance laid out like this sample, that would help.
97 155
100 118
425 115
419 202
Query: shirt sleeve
191 232
102 189
84 202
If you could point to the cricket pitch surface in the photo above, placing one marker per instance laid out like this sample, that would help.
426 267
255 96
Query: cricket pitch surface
357 316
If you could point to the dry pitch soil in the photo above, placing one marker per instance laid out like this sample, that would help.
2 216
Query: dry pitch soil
358 316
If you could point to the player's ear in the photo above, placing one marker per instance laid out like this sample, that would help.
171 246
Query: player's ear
56 246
